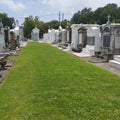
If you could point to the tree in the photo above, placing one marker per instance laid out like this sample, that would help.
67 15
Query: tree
28 26
86 11
43 28
99 16
96 15
83 16
64 23
31 22
36 21
7 21
53 24
76 19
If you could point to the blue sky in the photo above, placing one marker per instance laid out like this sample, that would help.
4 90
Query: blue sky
48 9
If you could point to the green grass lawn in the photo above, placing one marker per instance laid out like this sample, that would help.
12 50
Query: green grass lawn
46 83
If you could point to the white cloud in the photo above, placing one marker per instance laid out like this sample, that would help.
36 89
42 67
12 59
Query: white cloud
15 6
71 6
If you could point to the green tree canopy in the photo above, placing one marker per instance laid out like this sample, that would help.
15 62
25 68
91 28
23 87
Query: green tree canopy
83 16
28 26
31 22
7 21
55 24
99 16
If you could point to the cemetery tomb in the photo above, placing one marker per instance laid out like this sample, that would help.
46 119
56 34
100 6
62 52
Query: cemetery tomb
110 40
85 34
35 34
64 35
18 32
60 34
2 41
54 36
93 39
74 39
7 36
45 37
68 29
49 35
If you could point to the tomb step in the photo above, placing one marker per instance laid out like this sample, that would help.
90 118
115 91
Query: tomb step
114 63
90 52
117 58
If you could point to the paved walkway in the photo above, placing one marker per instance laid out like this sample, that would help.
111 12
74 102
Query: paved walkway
106 66
103 64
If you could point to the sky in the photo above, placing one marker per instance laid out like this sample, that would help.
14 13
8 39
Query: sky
48 10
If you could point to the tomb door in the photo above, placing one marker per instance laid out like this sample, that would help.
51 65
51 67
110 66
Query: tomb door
106 41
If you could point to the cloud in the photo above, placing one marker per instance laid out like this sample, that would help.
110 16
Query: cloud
71 6
14 6
63 6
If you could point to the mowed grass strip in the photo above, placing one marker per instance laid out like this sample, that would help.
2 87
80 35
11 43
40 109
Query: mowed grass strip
46 83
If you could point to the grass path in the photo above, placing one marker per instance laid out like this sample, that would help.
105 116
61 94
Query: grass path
48 84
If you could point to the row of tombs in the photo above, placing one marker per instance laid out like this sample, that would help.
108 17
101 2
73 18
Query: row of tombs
10 41
10 38
91 39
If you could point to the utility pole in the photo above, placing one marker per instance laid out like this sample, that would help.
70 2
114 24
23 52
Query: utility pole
59 18
62 16
108 19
